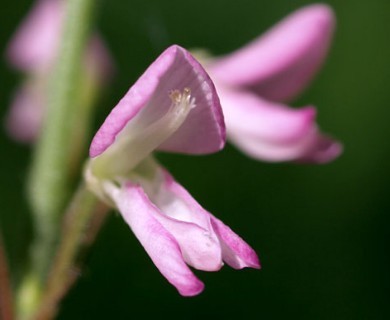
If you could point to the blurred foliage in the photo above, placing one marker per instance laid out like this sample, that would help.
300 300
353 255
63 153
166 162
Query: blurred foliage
321 231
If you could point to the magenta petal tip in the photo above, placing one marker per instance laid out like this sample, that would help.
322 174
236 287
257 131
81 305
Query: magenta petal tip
193 290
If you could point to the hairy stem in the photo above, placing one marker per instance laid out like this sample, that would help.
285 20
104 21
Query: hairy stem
49 183
50 178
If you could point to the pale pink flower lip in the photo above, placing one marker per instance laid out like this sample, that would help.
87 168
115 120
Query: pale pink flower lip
175 231
274 132
254 81
202 132
157 241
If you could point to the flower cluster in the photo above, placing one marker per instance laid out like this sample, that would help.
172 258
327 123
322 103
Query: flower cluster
255 81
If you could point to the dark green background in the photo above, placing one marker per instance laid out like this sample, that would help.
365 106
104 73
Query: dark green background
321 231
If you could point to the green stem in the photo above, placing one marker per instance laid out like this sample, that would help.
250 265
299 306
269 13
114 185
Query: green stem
49 180
50 172
83 220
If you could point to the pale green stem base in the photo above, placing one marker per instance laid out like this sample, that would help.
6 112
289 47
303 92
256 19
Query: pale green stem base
82 222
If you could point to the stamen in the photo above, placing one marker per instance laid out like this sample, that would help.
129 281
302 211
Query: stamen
175 96
182 99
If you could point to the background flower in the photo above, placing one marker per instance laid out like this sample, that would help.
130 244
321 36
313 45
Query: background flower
276 67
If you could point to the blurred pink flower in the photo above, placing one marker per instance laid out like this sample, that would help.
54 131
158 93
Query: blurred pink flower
254 81
33 50
24 118
34 45
172 107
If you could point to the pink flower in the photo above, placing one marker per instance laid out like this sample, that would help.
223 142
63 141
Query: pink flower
172 107
254 81
24 118
34 45
33 50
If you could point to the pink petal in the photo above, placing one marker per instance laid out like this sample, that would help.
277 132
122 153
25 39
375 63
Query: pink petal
24 117
236 252
203 130
274 132
282 62
250 115
35 44
161 246
178 204
200 248
189 223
